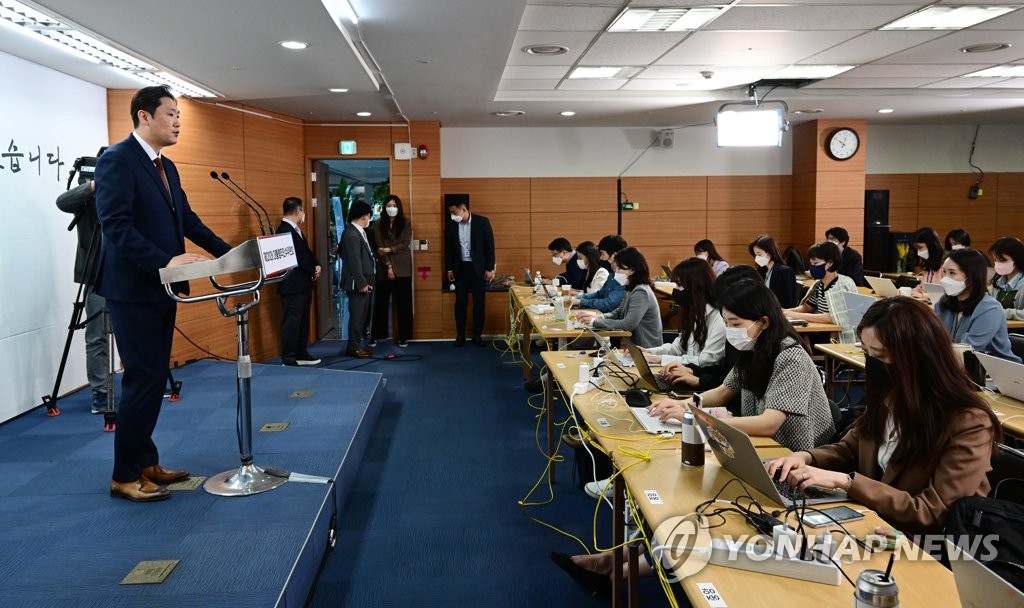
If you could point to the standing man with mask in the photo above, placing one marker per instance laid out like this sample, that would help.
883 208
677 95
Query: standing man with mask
296 290
358 277
145 217
469 260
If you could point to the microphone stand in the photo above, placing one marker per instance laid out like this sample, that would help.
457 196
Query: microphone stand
257 203
263 229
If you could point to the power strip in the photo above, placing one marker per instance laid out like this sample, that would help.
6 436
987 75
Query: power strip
585 387
762 558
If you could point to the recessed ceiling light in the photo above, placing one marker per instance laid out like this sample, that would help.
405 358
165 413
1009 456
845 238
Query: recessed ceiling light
999 71
886 111
605 72
294 45
988 47
363 114
663 19
948 17
507 113
567 113
809 111
545 49
338 90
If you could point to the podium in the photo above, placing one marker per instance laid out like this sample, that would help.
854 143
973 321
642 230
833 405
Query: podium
273 257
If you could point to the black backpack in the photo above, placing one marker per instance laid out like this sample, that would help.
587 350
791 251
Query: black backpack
974 517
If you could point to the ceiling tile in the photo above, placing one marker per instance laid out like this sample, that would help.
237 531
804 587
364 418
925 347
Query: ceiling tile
536 84
947 48
870 47
1013 83
880 70
513 72
587 2
631 48
809 18
577 42
683 72
685 84
909 3
871 83
750 48
1009 21
567 18
965 83
603 84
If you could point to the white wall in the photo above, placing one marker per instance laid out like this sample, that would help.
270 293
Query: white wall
42 111
605 152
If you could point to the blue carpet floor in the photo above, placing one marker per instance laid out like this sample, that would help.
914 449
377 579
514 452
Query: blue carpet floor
434 518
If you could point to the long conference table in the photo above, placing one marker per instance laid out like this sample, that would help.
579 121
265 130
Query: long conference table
661 488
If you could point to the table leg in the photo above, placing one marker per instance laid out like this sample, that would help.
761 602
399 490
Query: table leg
618 536
526 343
633 582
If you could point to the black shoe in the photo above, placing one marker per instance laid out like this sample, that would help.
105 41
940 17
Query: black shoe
595 583
307 359
403 344
534 386
290 362
460 341
478 341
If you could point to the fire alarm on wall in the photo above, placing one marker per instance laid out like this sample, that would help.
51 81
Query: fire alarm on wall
422 151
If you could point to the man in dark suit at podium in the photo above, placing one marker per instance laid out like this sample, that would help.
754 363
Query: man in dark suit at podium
296 290
358 276
145 217
469 260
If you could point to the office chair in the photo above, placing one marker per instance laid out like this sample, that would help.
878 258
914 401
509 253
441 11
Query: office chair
1007 474
1017 345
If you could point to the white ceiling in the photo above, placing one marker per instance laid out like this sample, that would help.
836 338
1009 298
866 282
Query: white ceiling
458 61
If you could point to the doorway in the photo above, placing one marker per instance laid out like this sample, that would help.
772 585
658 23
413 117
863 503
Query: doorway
339 183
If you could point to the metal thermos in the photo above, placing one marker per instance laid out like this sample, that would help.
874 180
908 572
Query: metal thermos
876 590
693 446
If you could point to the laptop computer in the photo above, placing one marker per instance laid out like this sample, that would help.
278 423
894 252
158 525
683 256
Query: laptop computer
736 454
527 276
883 287
977 586
1006 375
934 291
648 379
856 305
667 271
652 424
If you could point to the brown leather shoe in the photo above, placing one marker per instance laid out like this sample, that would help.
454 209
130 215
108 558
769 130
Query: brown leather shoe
361 353
140 490
162 476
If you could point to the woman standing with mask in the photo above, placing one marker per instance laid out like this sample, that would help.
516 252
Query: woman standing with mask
825 304
779 278
970 315
392 234
639 312
781 392
1008 284
925 439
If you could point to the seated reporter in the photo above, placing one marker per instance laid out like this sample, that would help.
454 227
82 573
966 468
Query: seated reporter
705 250
781 279
695 357
925 439
970 315
781 392
611 294
639 313
1008 283
825 304
588 258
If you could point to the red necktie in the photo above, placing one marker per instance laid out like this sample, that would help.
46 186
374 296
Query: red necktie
159 162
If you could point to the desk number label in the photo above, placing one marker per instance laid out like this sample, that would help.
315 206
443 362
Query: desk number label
713 597
652 497
560 365
603 422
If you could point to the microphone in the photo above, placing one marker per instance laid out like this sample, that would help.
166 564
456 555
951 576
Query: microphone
263 229
247 195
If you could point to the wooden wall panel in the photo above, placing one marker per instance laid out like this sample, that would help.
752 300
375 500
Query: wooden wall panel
943 189
422 132
487 195
730 228
675 229
371 141
840 190
513 260
272 145
579 194
979 222
209 136
740 192
575 226
207 196
511 230
902 189
735 254
1011 189
666 193
119 119
428 226
1009 222
427 317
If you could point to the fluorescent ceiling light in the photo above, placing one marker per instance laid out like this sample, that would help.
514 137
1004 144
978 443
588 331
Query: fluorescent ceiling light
54 31
567 113
811 71
999 71
338 90
663 19
750 128
605 72
948 17
363 114
886 111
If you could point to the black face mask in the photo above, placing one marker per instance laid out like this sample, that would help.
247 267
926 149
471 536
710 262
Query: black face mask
681 297
878 371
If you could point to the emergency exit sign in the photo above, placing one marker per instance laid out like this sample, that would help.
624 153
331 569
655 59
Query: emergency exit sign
347 147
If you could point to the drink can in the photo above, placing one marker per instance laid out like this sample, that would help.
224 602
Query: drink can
875 590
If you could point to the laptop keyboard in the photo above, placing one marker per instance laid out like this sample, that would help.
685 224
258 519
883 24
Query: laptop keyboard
796 495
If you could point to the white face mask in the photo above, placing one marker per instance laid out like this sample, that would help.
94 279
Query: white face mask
1005 268
456 218
556 260
621 278
739 338
922 253
581 263
391 211
761 260
703 256
952 287
956 246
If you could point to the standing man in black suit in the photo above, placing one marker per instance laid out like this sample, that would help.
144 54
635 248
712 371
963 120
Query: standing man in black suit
469 260
296 290
358 277
853 263
145 218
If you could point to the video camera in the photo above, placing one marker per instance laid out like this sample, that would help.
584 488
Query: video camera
85 167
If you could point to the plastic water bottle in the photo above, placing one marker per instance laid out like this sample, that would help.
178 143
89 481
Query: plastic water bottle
559 308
